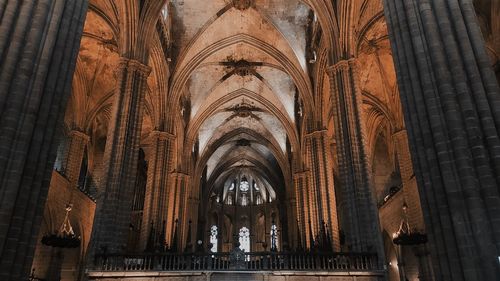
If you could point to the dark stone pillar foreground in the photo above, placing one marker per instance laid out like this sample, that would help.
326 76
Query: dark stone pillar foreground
451 102
39 43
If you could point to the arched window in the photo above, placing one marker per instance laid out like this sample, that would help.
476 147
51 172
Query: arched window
245 239
259 199
274 237
244 185
244 200
213 238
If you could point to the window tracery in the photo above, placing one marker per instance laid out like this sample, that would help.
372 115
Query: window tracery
244 239
213 238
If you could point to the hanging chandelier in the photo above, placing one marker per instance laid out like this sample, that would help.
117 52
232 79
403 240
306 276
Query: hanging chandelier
406 236
65 237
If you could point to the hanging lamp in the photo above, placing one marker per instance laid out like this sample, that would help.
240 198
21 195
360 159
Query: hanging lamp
406 236
65 237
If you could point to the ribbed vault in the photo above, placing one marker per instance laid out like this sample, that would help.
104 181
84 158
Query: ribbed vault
240 77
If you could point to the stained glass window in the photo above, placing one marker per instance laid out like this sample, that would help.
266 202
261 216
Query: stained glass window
274 237
213 238
245 239
244 185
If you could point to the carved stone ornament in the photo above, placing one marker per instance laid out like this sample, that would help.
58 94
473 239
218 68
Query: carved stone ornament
243 4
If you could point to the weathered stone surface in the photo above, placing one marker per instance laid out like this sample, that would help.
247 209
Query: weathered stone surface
39 41
451 102
299 97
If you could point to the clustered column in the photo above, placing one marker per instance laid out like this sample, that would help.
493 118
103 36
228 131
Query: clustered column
157 189
305 205
113 209
39 43
359 216
318 158
451 102
177 202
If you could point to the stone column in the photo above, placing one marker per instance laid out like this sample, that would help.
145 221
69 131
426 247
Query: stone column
39 43
177 202
115 195
318 147
359 214
77 141
451 103
292 219
304 206
157 188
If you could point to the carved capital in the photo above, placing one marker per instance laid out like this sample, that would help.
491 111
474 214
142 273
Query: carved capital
162 135
401 134
316 134
181 176
79 134
301 175
133 65
243 4
342 65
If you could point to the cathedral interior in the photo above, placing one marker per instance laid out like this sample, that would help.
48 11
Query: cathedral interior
250 140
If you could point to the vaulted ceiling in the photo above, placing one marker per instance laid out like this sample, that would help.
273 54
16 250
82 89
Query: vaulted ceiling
240 67
235 81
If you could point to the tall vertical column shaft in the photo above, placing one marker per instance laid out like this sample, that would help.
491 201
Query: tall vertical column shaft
322 181
177 202
301 184
359 219
157 188
114 202
77 141
39 43
451 103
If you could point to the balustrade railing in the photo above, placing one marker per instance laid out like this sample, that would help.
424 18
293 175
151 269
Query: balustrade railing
262 261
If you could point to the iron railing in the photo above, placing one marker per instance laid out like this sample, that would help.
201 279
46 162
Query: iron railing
262 261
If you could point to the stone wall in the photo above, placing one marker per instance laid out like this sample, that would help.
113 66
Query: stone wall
390 219
63 264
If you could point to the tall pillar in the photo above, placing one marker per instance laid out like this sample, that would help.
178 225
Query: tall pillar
177 202
319 161
39 43
291 224
451 103
305 207
191 214
115 195
157 188
359 215
77 141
